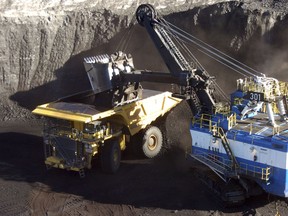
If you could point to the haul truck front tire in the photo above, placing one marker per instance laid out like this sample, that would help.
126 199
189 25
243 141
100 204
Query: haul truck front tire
110 156
152 141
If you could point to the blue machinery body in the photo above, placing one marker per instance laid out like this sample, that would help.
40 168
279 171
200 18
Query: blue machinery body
250 141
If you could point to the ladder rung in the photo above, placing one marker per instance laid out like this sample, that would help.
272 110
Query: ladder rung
82 173
174 49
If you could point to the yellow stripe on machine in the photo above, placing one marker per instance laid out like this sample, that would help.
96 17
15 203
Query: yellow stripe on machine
135 115
45 110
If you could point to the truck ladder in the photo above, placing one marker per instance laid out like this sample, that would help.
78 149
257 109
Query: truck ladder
82 173
219 132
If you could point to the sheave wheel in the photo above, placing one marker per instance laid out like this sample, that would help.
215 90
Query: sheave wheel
152 141
110 156
145 11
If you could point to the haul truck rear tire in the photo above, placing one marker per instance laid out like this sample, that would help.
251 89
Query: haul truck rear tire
110 156
152 141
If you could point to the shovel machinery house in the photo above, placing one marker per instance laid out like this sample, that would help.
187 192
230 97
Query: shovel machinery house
240 144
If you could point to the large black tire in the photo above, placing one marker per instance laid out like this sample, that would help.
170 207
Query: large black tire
110 156
152 141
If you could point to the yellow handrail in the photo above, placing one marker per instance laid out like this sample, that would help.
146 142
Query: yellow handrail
262 173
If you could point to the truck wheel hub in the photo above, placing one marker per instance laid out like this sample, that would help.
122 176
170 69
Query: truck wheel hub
152 144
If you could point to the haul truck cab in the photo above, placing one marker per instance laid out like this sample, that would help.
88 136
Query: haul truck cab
75 133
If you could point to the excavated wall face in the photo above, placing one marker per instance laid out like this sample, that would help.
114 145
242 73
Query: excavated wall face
41 55
37 55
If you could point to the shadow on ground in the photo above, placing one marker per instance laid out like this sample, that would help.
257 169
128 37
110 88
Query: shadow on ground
141 183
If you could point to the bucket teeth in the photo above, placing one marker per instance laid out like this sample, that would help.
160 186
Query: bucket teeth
102 59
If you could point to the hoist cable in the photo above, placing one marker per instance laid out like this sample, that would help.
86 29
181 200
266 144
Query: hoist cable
211 50
182 45
130 34
227 65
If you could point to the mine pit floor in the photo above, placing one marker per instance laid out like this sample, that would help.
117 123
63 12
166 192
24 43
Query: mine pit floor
165 186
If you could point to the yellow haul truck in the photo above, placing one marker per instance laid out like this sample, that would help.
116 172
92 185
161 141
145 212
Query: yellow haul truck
74 133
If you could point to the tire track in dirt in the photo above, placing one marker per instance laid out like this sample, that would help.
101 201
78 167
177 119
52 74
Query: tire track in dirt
13 199
46 202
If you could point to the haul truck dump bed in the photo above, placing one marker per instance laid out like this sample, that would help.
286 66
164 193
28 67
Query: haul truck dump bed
74 133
